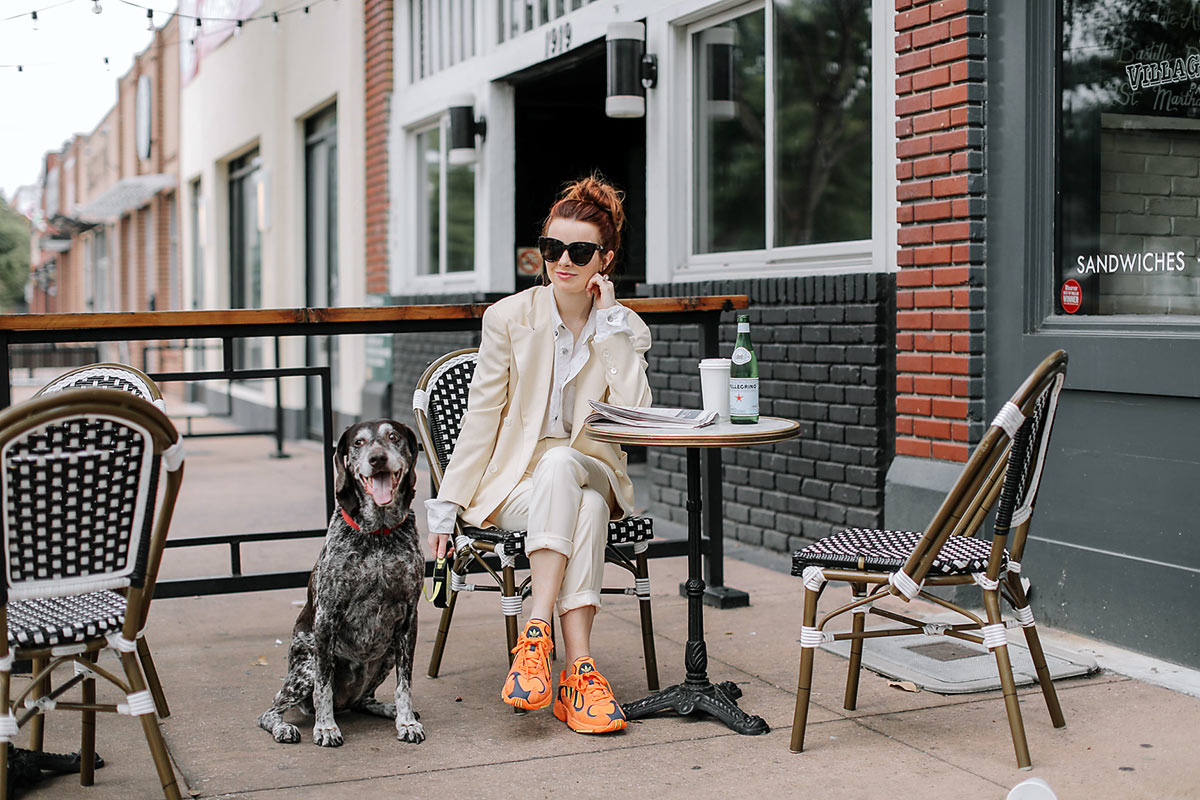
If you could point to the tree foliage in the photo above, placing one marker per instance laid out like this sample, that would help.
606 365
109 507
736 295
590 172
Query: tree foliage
14 258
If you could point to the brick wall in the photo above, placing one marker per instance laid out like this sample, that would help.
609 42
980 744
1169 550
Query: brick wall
824 347
377 58
940 93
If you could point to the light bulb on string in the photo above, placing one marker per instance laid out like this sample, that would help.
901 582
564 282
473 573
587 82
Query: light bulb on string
107 67
149 19
35 20
275 21
96 7
306 17
237 29
198 23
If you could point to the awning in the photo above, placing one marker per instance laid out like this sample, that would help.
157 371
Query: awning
125 196
53 244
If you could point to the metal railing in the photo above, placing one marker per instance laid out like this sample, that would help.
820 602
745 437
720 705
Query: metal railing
227 326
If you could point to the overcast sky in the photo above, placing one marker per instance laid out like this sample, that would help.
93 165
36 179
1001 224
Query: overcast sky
64 88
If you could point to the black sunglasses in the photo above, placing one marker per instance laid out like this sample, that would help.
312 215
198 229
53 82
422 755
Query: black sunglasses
580 252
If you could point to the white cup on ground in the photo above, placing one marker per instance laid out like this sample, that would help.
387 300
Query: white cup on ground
1032 789
714 386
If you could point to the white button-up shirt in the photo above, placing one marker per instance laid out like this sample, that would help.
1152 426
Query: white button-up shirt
569 357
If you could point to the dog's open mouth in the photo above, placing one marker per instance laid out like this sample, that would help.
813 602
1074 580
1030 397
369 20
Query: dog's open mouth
381 486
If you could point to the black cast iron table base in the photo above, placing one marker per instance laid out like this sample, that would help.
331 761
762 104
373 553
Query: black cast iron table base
718 700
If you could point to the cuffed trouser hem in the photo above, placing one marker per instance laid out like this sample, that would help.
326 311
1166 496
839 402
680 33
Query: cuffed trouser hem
571 602
547 541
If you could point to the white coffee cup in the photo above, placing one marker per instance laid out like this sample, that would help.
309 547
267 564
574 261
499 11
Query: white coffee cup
714 386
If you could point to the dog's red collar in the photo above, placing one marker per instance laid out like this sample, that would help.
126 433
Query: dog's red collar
378 532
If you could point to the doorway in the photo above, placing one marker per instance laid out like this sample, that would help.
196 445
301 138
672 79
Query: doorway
562 134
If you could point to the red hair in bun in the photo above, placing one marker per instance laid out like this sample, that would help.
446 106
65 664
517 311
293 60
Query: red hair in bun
595 200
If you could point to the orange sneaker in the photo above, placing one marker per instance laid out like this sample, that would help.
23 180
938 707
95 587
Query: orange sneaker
585 701
528 683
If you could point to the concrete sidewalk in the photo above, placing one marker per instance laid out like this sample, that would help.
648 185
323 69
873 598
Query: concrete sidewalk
222 659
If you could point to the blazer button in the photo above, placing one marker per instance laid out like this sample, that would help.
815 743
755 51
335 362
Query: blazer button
492 469
620 474
613 370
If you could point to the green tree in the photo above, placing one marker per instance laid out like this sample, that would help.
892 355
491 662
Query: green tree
14 258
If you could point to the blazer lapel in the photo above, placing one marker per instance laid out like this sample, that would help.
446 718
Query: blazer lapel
533 351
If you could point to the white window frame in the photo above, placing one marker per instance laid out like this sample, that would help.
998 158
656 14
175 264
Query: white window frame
681 263
442 280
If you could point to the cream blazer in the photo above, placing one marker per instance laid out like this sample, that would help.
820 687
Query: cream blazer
509 394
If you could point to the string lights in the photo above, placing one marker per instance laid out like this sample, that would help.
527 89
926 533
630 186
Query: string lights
198 30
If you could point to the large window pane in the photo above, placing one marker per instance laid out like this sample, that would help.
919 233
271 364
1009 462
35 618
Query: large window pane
1129 159
429 200
730 68
460 218
822 121
729 90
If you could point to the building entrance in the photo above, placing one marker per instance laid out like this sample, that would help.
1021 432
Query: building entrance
562 134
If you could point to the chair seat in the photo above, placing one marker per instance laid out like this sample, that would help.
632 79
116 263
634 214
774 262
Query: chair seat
623 531
53 621
887 551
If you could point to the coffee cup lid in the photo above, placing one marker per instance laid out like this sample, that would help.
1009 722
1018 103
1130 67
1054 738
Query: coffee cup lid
714 362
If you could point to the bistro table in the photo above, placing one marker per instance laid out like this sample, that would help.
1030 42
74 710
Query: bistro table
697 693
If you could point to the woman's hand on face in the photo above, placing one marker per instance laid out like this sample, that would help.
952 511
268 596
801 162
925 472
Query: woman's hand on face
439 545
601 288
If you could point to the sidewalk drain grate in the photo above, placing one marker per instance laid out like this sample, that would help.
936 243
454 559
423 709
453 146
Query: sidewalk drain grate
958 667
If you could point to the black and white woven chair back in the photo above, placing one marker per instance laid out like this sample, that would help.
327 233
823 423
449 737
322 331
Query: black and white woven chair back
106 376
78 506
445 401
1030 436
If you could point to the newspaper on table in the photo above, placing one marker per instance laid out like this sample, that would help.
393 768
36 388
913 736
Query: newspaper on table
651 417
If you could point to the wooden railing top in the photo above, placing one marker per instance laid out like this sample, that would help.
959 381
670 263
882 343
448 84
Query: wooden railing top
292 316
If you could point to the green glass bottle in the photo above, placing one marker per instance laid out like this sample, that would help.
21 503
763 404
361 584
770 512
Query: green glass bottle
743 377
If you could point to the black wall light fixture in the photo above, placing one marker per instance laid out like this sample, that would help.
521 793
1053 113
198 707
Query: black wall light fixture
631 70
463 130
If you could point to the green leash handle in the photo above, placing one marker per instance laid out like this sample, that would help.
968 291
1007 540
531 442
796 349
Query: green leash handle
440 593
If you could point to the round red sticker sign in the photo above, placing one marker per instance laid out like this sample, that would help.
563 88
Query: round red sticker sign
1071 296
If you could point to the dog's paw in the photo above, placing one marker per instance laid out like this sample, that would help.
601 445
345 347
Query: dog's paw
327 737
411 732
286 733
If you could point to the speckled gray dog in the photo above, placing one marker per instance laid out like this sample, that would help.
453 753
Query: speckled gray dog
361 616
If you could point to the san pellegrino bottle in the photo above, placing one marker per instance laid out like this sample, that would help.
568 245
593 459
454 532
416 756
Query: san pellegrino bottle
743 377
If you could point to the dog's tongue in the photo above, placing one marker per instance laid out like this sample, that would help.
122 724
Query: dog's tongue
380 487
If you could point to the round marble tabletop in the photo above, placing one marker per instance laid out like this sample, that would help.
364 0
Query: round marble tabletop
720 434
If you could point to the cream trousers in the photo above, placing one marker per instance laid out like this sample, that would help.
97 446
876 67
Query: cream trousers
563 502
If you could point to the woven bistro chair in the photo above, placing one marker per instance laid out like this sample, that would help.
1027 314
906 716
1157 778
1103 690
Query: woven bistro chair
108 375
111 375
84 525
1003 473
439 403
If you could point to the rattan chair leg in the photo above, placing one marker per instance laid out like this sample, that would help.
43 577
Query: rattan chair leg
5 678
37 725
804 683
648 650
87 730
854 670
150 727
1034 643
509 589
152 681
991 601
439 644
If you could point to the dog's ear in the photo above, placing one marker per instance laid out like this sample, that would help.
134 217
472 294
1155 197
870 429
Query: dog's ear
410 485
344 489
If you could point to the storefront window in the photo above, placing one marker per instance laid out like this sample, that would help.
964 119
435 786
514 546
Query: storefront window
1129 158
791 166
446 208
